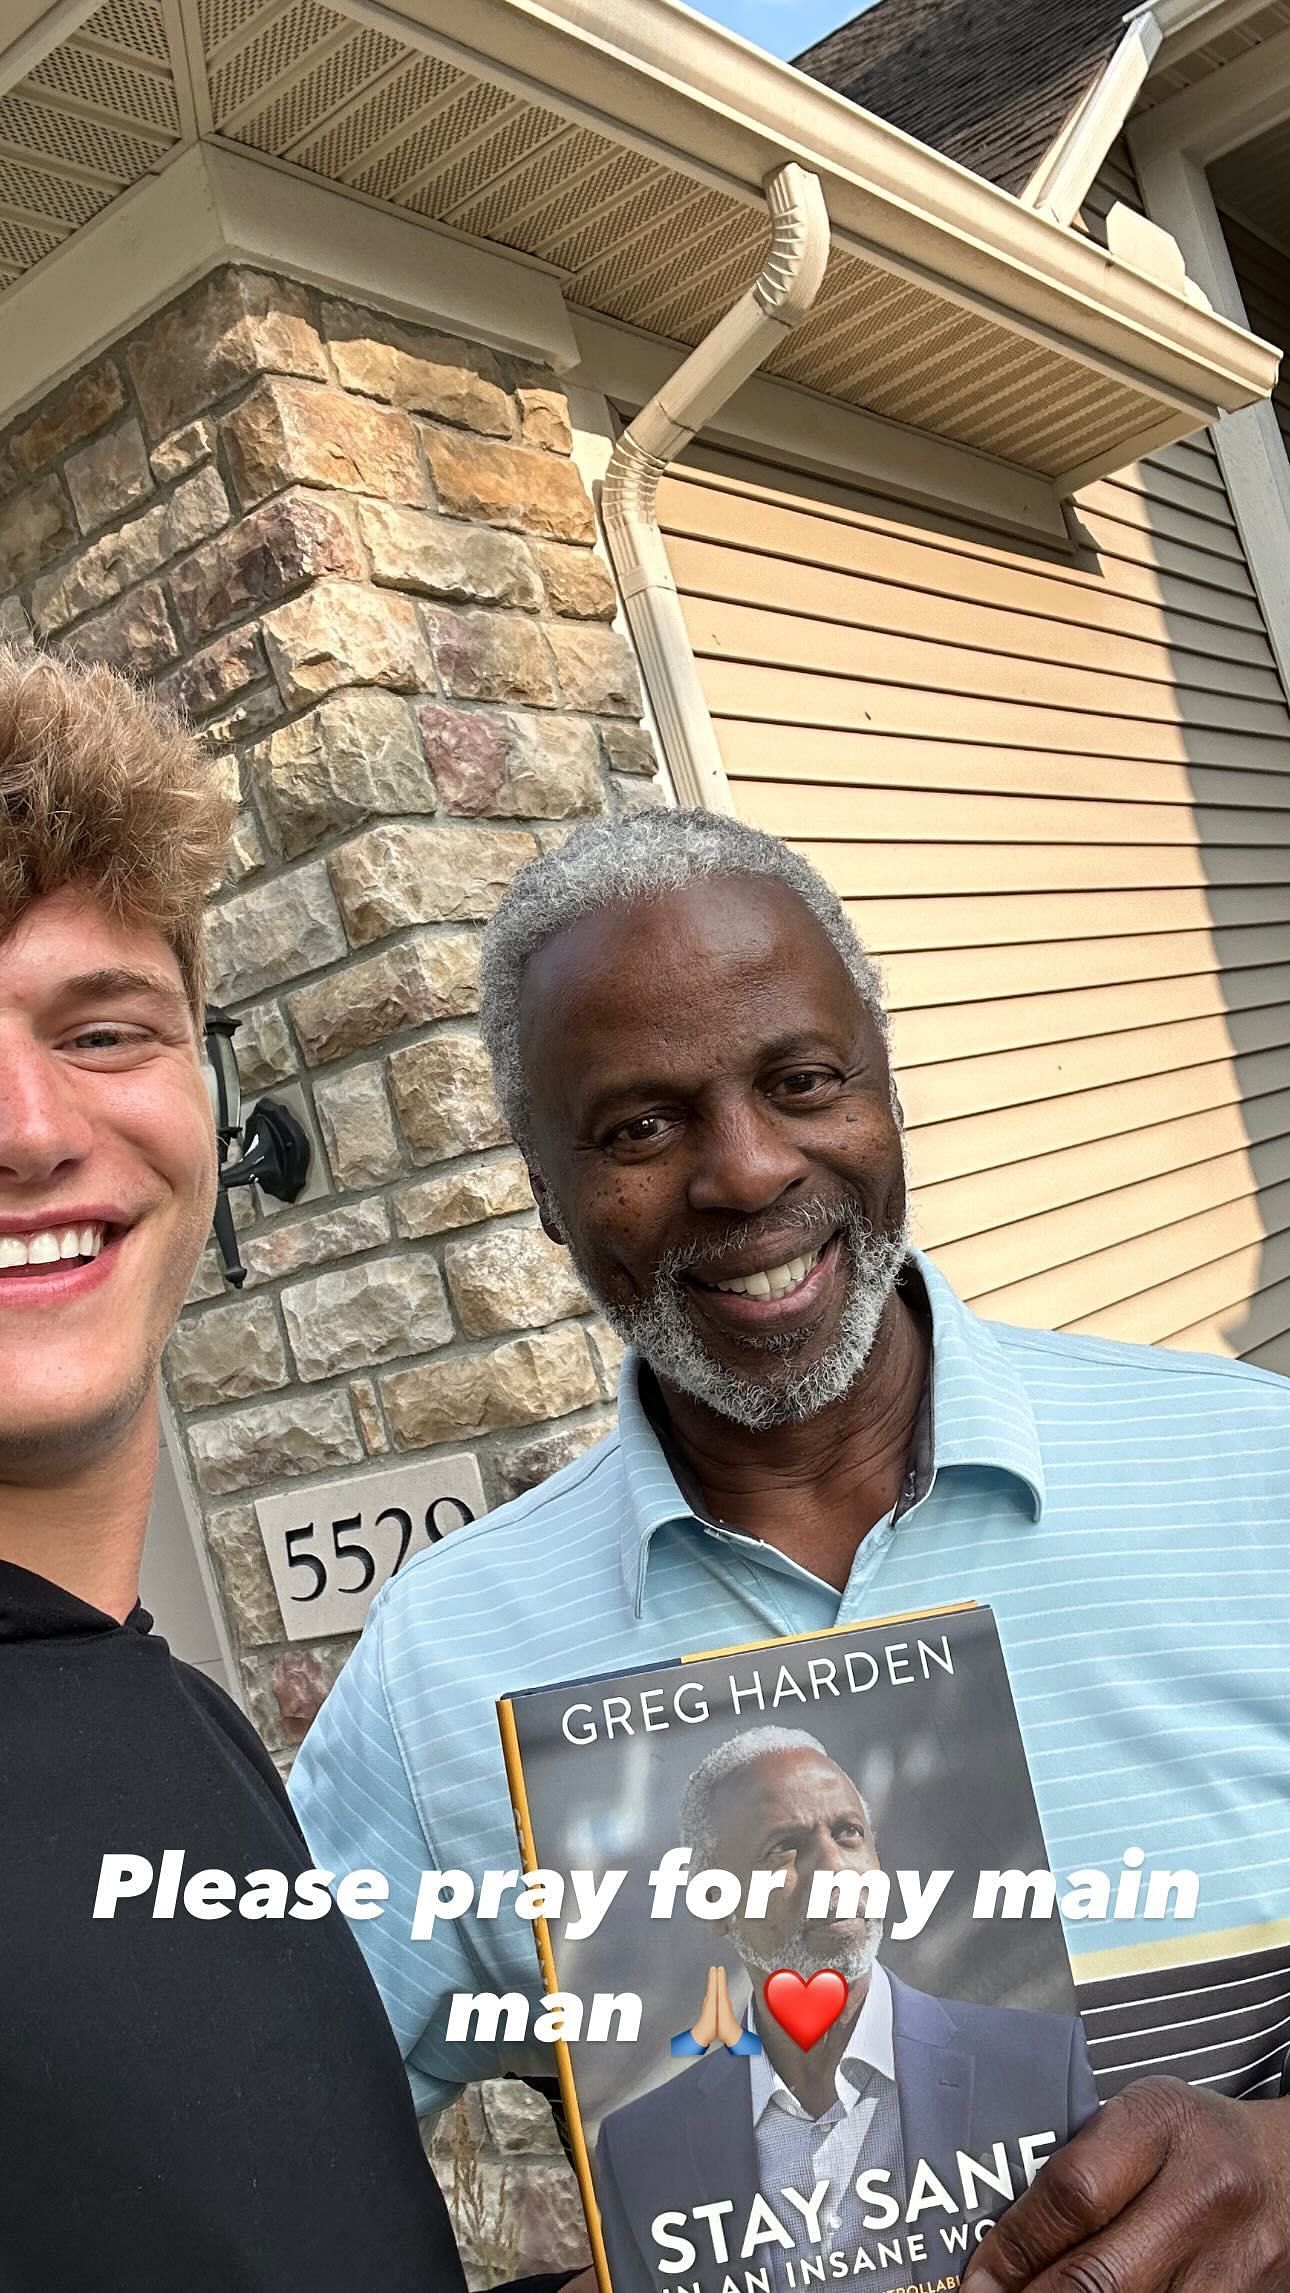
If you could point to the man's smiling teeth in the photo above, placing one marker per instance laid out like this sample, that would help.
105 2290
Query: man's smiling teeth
774 1281
46 1249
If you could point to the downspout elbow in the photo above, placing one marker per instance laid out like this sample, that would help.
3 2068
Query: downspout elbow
778 300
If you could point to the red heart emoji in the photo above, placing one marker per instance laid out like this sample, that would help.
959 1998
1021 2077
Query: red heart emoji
805 2009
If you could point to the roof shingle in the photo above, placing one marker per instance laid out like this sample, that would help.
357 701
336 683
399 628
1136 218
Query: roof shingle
991 83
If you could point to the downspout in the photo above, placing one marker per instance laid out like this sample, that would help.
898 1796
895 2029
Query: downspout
764 316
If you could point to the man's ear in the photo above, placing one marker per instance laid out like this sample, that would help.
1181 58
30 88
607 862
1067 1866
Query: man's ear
546 1209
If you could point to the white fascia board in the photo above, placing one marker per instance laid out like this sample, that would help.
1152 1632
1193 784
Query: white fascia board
806 431
1229 107
211 207
1068 169
680 89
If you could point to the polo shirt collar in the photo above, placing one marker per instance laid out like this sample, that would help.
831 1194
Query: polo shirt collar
653 1492
981 1416
981 1411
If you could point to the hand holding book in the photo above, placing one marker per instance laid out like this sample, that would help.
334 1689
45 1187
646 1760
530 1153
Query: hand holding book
884 2142
1168 2190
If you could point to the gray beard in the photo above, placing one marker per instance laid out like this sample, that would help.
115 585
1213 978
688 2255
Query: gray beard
661 1329
806 1950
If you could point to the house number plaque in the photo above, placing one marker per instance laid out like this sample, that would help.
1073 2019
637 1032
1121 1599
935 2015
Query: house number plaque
331 1549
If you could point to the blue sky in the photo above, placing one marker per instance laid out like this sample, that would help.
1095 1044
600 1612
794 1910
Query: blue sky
783 26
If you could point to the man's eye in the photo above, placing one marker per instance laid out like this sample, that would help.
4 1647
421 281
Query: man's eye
804 1082
642 1130
108 1039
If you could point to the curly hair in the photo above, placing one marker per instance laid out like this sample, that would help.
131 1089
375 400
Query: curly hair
103 790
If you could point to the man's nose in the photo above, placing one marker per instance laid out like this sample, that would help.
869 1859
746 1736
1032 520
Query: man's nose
828 1854
745 1160
822 1855
42 1125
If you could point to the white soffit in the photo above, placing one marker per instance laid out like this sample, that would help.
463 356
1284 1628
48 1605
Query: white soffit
1199 42
620 149
214 207
98 110
780 423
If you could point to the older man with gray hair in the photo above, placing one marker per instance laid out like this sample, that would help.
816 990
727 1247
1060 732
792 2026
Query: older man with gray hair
814 1430
896 2089
671 855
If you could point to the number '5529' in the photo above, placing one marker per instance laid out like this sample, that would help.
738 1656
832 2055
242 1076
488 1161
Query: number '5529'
347 1545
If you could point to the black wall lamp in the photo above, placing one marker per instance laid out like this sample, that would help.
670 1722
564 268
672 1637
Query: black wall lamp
275 1150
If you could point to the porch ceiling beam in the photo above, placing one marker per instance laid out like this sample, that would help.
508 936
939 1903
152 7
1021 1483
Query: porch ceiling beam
213 207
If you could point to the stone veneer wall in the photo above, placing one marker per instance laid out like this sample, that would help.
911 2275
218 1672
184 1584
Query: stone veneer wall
359 556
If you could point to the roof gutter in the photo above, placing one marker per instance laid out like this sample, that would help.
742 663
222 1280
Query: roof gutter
1066 173
681 88
777 301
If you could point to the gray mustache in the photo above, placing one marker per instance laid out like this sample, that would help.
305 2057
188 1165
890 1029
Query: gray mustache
812 1223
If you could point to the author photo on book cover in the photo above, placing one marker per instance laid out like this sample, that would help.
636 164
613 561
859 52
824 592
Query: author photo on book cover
858 2136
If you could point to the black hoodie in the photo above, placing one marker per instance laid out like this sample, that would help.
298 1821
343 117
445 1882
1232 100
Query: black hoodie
186 2105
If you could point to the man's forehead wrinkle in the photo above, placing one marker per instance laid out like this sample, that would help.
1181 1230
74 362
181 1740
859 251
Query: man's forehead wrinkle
769 1782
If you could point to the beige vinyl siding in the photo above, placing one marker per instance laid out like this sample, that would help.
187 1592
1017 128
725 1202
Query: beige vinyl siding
1263 275
1116 181
1054 793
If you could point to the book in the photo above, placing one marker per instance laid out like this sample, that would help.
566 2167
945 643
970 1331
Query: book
791 2048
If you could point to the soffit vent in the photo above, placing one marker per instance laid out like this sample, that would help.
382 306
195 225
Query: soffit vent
630 237
651 220
1200 63
94 116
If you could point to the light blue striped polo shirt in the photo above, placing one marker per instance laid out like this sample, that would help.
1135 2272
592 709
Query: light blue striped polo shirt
1124 1511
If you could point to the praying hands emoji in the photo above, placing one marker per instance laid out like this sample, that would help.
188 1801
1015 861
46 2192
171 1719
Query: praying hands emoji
716 2021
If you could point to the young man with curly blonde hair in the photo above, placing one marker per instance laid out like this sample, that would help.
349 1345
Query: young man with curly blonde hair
208 2104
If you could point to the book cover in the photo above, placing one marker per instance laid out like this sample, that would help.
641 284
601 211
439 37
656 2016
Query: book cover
802 2055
